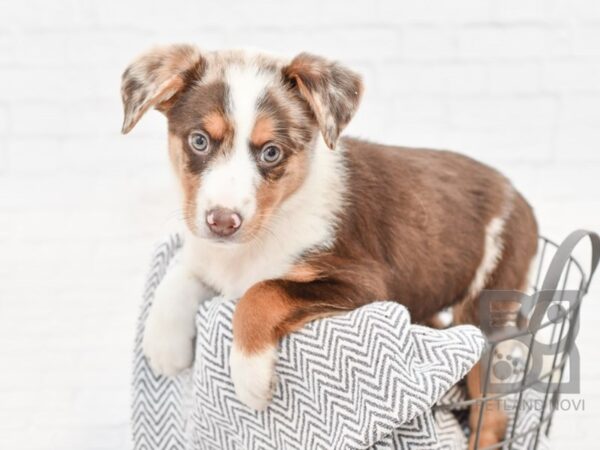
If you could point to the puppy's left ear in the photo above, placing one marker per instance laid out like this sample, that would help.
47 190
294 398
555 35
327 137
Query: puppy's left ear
332 91
155 78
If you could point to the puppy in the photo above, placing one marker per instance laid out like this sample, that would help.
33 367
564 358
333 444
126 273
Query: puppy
300 224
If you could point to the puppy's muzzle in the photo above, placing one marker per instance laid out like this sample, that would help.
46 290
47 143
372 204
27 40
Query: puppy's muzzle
223 222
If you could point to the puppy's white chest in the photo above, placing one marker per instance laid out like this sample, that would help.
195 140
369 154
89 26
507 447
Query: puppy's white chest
233 275
232 270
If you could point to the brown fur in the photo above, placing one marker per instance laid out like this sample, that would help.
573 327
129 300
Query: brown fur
155 78
272 194
413 227
332 91
216 125
262 308
410 246
263 131
203 107
190 182
267 312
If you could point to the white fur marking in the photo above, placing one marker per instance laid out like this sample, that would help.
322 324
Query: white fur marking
491 255
231 182
253 376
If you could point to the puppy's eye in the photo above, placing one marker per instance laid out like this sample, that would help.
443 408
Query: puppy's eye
199 142
270 155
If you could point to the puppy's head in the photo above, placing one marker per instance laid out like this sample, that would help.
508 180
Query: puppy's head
242 128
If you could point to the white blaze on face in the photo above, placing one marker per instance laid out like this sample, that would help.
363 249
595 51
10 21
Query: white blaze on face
231 181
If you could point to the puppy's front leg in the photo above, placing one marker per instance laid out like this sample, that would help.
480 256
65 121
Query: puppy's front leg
268 311
170 328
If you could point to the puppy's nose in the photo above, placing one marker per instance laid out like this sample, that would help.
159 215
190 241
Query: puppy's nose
223 222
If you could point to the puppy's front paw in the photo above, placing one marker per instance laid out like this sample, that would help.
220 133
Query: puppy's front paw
253 376
168 348
170 327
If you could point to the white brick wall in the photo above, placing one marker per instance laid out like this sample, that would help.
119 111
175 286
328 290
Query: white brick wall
515 83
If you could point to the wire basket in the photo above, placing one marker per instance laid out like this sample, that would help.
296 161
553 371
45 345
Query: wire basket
549 320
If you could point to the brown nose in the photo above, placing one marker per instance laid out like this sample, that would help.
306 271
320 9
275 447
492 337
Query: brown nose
223 222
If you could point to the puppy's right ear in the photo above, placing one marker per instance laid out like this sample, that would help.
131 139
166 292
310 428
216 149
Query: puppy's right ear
155 78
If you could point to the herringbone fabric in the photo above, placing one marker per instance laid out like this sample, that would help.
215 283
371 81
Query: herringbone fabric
158 414
366 379
344 382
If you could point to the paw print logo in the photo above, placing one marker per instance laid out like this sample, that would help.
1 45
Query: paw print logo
509 364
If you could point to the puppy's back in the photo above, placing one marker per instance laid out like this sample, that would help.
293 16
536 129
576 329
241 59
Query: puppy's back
428 217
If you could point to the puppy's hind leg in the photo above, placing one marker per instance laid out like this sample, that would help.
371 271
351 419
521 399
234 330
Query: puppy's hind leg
519 245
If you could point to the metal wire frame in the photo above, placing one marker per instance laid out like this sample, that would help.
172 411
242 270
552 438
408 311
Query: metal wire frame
564 270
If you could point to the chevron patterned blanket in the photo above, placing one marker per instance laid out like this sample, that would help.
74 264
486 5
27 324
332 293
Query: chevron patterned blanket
364 380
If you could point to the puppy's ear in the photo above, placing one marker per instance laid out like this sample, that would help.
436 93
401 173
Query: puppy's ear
155 78
331 90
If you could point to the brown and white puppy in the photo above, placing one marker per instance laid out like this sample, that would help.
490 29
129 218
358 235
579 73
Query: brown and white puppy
300 224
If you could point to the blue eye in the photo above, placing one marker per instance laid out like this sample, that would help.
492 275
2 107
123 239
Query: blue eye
270 155
199 142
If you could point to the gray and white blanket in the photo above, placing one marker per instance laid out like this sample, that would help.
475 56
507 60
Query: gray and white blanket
364 380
